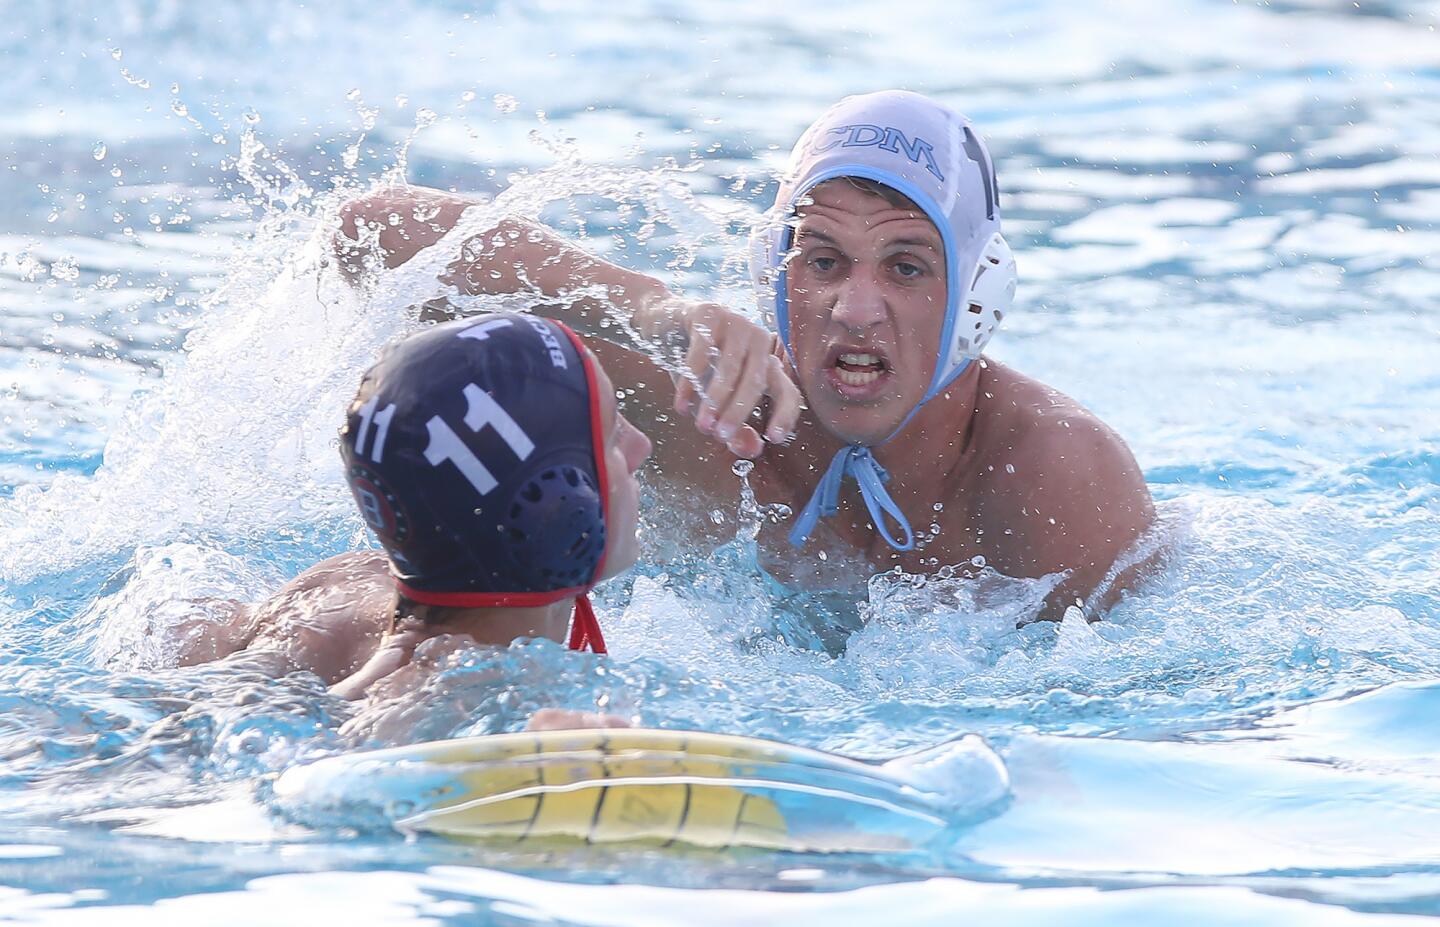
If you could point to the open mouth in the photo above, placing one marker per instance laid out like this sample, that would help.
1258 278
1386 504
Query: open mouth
858 373
859 368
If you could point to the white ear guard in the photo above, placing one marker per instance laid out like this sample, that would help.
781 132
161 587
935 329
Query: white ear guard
980 312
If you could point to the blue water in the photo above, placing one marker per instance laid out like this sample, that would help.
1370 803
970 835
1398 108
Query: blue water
1225 218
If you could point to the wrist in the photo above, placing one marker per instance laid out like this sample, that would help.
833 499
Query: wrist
661 316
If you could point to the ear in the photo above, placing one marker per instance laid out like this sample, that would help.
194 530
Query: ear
989 297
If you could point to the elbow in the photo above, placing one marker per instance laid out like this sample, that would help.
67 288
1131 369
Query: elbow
358 242
385 229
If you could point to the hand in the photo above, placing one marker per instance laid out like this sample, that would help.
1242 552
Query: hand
563 719
733 360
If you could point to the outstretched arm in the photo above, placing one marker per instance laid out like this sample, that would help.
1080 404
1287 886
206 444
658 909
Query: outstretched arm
725 353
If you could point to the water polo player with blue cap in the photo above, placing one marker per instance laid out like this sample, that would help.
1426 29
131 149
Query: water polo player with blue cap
476 454
491 460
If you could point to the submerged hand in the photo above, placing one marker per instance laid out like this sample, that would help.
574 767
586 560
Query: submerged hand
734 360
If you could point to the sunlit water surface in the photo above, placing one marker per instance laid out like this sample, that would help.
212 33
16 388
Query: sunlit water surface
1225 220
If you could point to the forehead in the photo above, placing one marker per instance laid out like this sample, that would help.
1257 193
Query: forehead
840 205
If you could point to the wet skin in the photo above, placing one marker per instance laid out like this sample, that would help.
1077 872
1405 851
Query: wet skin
334 619
1009 469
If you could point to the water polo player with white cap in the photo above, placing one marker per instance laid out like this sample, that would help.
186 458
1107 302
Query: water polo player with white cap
933 156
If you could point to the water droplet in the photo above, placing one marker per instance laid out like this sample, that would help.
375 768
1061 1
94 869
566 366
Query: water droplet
179 108
65 269
353 94
505 103
468 96
174 88
742 467
1009 468
98 152
251 116
939 506
401 100
116 53
115 172
425 116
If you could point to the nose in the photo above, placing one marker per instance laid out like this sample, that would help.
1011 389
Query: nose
859 300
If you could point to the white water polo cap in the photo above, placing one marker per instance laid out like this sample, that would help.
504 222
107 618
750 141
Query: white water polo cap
932 154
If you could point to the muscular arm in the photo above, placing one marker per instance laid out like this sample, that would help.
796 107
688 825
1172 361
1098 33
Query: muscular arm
513 256
519 256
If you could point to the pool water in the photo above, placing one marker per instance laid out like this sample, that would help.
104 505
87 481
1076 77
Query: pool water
1225 217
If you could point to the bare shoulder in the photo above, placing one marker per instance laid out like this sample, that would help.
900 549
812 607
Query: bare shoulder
330 616
1073 497
359 566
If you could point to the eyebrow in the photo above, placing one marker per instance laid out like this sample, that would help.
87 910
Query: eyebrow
804 233
915 243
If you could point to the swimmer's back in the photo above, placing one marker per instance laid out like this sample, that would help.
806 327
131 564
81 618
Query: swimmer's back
329 619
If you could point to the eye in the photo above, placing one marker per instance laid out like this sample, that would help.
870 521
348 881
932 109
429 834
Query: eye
908 269
823 263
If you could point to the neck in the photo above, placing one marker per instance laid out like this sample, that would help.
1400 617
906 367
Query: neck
493 626
935 441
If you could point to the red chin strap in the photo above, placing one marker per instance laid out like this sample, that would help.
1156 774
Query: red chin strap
585 628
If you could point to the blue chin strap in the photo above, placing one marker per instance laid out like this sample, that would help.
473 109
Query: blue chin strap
858 462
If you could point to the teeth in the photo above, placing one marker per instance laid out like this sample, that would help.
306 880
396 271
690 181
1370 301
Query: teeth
859 360
857 377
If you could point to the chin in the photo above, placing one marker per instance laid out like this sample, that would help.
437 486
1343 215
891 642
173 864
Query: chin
856 423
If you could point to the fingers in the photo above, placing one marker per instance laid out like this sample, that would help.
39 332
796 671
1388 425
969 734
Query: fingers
727 373
698 358
785 402
738 385
729 368
746 443
686 396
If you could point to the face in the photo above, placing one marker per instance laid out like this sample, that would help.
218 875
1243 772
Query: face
626 449
866 293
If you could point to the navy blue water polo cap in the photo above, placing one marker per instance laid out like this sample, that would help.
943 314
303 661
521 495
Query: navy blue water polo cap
475 453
